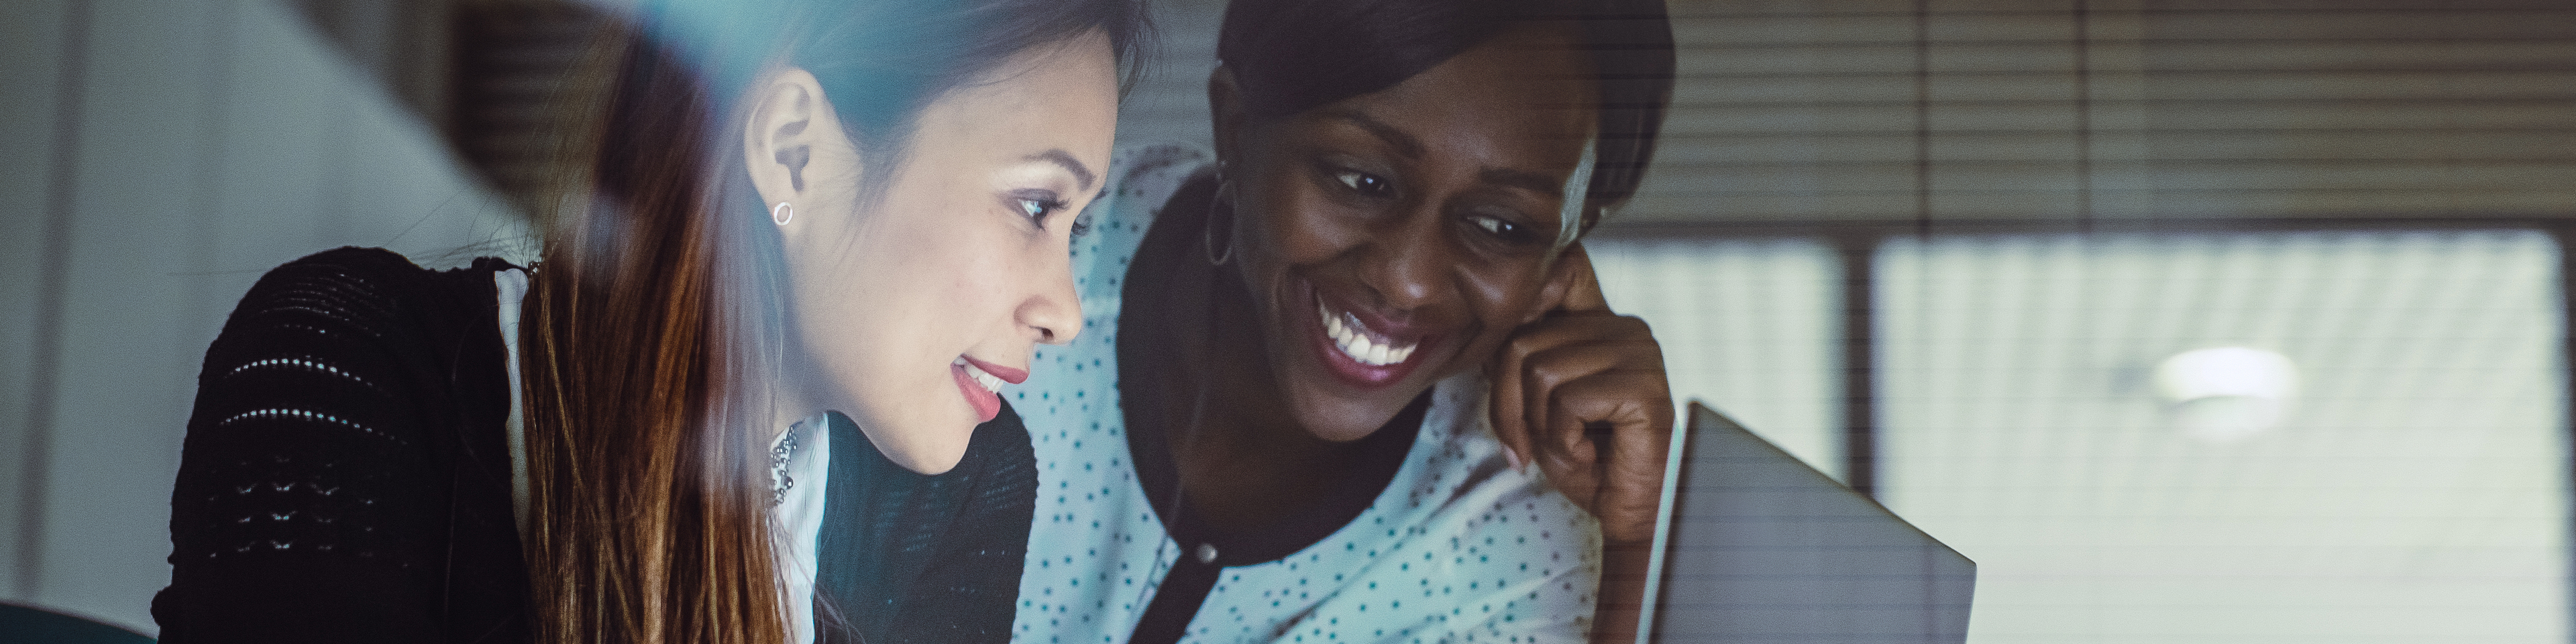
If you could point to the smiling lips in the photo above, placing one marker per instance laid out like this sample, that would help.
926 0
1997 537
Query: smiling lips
1359 355
982 383
1347 334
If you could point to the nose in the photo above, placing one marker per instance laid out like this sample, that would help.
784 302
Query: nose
1406 264
1053 312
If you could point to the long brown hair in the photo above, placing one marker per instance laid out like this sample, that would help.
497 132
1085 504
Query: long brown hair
651 322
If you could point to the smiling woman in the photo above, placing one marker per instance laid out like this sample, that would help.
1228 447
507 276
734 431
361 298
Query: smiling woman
1463 168
1282 427
753 397
924 295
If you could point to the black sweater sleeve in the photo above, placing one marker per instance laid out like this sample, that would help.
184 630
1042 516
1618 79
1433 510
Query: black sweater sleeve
313 501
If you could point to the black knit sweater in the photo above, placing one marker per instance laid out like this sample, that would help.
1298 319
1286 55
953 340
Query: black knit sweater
346 476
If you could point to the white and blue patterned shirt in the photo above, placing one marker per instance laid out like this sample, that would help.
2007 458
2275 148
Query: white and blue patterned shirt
1459 547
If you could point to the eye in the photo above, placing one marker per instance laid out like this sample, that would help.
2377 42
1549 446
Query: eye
1362 182
1503 228
1037 207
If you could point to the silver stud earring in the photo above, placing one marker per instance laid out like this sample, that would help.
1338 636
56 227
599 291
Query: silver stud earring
782 213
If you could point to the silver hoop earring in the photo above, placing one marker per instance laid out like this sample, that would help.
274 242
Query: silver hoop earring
782 213
1220 217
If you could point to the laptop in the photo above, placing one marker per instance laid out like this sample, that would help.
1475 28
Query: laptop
1762 549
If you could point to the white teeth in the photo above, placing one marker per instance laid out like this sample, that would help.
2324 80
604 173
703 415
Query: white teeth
1359 346
990 382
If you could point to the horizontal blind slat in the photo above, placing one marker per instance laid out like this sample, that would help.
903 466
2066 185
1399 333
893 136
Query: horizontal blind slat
2371 108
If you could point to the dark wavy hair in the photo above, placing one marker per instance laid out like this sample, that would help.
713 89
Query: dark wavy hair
1289 56
652 317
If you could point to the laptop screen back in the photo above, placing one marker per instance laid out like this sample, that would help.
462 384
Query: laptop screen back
1766 550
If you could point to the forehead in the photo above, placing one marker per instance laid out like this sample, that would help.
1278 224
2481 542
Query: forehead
1051 96
1529 83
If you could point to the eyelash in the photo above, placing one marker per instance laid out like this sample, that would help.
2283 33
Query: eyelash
1037 208
1504 228
1352 179
1372 185
1044 206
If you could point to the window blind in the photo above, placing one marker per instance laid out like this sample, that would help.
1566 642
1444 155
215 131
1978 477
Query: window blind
2061 110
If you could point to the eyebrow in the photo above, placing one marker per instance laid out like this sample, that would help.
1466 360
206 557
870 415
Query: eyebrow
1412 147
1404 143
1523 179
1060 157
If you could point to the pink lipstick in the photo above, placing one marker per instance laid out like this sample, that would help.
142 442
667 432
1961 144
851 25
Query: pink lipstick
1362 349
982 388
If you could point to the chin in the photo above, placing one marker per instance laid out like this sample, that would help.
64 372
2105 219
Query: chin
929 447
1342 420
933 461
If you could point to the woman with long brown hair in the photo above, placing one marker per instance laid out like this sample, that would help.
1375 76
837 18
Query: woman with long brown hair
738 397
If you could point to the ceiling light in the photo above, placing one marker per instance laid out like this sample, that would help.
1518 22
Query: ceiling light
2225 394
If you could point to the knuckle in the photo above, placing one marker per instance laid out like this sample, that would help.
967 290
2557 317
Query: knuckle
1536 374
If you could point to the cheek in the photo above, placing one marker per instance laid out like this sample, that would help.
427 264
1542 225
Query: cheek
1289 225
895 274
953 271
970 269
975 297
1501 300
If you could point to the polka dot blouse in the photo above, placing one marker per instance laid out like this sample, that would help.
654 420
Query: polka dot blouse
1459 547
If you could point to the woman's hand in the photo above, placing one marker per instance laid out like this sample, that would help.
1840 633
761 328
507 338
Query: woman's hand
1581 392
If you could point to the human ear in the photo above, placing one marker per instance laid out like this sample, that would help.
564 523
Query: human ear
788 119
1225 112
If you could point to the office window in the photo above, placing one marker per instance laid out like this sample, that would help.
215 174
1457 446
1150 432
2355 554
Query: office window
1748 326
2408 484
